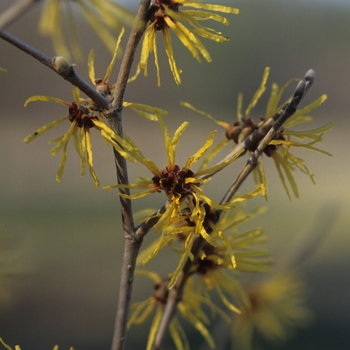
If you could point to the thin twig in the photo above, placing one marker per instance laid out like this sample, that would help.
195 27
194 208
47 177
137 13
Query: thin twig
132 242
176 293
15 11
146 226
299 93
70 75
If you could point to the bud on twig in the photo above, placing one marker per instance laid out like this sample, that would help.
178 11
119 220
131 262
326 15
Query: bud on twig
61 65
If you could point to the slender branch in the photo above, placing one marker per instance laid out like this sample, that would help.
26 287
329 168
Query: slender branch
132 242
146 226
114 118
134 39
299 93
69 74
176 293
15 11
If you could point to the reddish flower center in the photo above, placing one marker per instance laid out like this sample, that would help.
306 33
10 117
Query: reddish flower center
82 119
239 131
156 12
173 181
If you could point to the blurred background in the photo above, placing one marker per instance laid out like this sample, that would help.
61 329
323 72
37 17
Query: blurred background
60 243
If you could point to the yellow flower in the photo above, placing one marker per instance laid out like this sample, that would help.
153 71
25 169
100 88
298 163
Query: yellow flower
276 309
166 15
88 116
103 17
177 183
187 308
279 148
217 265
82 120
105 89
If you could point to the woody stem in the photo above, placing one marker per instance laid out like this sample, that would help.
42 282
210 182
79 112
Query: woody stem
132 241
261 141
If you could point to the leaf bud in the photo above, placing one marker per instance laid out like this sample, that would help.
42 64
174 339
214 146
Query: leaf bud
61 65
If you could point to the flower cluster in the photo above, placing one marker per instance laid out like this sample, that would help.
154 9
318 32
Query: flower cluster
277 308
186 308
166 16
204 233
189 212
279 148
88 116
215 268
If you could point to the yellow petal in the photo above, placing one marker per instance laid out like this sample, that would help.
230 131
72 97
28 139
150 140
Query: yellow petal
89 158
148 112
62 163
219 122
90 16
197 324
239 106
194 159
225 301
5 345
91 66
300 113
211 7
276 93
44 128
81 156
137 195
73 33
188 39
311 134
64 140
46 99
208 200
247 196
111 65
154 327
178 335
209 157
170 54
258 92
282 163
204 15
76 96
221 165
156 61
171 150
147 46
187 254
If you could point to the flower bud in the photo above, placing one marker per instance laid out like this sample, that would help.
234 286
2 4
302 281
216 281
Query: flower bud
61 65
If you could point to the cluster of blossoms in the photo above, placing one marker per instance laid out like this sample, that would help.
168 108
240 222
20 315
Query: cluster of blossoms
189 215
276 309
85 115
224 253
279 148
213 270
167 15
189 212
